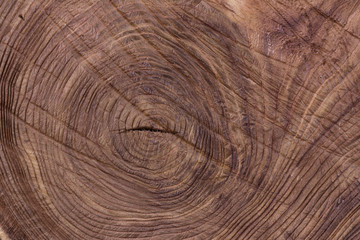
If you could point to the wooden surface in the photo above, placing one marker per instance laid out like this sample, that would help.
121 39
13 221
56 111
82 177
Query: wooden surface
174 119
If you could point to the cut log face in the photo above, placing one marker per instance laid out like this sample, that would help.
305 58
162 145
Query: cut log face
213 119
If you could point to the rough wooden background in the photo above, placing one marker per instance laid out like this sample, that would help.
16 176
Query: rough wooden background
179 119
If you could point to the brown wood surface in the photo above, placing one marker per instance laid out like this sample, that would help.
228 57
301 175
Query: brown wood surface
179 119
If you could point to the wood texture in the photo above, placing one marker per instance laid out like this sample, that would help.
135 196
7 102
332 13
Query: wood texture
174 119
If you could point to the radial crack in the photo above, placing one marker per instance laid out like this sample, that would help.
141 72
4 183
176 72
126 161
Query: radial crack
147 129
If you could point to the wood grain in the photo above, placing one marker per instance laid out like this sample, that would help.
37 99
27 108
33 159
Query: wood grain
174 119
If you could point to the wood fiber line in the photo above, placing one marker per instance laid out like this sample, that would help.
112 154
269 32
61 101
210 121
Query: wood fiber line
174 119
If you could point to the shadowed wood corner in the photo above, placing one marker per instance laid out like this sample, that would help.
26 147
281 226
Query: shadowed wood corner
174 119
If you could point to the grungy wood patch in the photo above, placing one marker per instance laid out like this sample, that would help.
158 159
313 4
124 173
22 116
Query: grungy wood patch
174 119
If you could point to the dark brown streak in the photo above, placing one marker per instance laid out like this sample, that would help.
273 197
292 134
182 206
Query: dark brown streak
146 129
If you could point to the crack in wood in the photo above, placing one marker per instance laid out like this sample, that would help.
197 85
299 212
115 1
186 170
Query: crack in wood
147 129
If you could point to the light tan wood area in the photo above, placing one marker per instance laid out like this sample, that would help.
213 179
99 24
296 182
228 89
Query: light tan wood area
179 119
